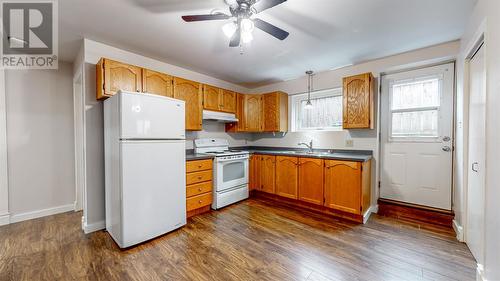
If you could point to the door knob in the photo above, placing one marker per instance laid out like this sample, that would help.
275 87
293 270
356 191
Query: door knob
446 148
474 167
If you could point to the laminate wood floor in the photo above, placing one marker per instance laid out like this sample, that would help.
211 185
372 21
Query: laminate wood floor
252 240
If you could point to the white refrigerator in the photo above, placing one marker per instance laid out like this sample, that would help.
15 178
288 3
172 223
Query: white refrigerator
145 166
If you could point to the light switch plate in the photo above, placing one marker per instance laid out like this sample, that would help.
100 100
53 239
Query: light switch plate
349 143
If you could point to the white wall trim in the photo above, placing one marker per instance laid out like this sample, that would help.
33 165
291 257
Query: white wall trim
89 228
5 219
479 35
480 273
4 182
41 213
458 230
79 137
372 209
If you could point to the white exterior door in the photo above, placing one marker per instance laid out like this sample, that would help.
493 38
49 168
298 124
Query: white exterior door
477 156
416 136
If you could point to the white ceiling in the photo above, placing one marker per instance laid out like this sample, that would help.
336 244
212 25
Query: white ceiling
324 34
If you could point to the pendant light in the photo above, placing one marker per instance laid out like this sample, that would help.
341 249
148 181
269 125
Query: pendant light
309 89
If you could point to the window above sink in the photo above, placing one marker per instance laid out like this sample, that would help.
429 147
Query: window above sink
325 114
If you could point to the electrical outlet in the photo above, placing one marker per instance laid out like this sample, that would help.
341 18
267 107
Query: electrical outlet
349 143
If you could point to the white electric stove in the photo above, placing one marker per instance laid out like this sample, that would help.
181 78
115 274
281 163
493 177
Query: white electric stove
230 171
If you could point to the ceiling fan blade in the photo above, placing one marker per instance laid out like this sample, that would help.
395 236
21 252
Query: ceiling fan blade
266 4
271 29
235 40
206 17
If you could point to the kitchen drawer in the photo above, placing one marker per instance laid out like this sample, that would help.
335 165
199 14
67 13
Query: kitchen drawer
199 188
198 165
197 177
198 201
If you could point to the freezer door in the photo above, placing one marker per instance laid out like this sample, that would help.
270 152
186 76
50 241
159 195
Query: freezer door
145 116
153 189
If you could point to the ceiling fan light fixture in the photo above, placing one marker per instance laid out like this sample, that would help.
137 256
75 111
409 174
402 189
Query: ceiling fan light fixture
246 37
229 29
247 25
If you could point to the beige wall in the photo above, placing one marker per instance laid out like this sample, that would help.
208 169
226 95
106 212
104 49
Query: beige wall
40 139
492 218
94 212
362 139
485 19
4 187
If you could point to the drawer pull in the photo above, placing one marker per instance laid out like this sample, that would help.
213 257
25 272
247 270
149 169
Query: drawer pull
200 177
200 189
199 166
200 201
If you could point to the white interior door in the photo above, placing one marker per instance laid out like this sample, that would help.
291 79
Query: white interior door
477 156
416 140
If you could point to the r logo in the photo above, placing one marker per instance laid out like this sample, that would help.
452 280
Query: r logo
28 28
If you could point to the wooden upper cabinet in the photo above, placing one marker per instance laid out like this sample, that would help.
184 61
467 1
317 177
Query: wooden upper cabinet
228 101
211 98
240 110
157 83
191 93
275 112
287 175
268 173
311 180
113 76
358 102
252 113
343 186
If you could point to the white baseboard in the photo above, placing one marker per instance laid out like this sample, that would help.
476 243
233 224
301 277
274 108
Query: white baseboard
41 213
368 213
459 231
4 219
480 273
93 227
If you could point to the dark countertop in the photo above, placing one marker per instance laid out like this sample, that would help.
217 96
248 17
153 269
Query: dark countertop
190 156
332 154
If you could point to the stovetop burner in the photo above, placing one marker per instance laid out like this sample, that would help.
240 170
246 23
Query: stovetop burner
217 147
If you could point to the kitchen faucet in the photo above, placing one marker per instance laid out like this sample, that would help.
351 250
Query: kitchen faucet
309 146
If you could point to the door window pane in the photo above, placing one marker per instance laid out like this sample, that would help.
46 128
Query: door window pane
419 123
415 108
415 94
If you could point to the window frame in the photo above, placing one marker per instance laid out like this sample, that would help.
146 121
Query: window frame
391 138
295 104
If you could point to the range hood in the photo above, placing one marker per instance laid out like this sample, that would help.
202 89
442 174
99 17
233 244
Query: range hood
219 116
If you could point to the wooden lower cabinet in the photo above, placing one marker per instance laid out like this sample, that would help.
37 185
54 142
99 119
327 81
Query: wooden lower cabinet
268 174
254 173
198 186
346 186
311 180
336 187
287 176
